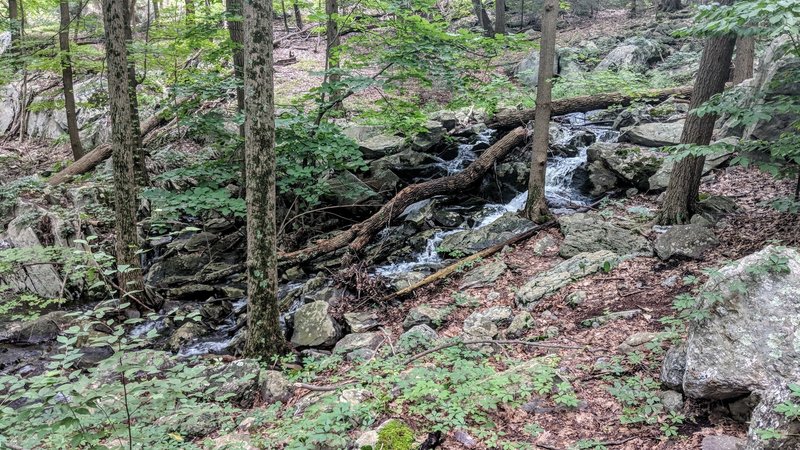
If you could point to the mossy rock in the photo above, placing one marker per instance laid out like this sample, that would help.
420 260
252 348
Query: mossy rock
395 435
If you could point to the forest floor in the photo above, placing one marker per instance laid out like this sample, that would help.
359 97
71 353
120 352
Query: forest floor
646 284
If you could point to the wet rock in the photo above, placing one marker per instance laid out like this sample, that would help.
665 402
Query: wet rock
358 341
630 165
314 327
274 387
448 119
418 337
748 343
685 241
484 275
407 164
635 53
187 332
191 292
575 268
432 136
216 312
511 175
45 328
359 322
424 315
722 442
522 322
655 134
486 323
471 241
586 232
236 382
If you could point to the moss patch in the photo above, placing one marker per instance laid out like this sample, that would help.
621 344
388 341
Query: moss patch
395 435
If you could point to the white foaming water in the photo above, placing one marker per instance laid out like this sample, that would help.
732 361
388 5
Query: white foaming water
466 154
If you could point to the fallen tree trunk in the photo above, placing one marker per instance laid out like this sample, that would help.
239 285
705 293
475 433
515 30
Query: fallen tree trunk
360 234
100 153
485 253
509 118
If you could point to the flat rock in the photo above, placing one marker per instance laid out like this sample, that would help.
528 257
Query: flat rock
358 341
359 322
584 232
722 442
424 315
314 327
484 275
464 243
686 241
486 323
654 134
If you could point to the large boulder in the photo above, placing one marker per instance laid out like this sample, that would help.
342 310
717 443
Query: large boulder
527 71
660 180
633 54
40 279
654 134
432 136
575 268
486 323
374 141
587 232
685 241
621 165
314 326
347 189
748 343
472 241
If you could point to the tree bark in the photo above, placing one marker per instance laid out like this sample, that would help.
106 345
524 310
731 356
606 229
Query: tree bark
332 40
234 10
743 61
139 154
66 75
536 206
500 16
264 336
669 5
509 118
684 182
483 18
123 144
156 9
358 236
298 16
13 17
285 16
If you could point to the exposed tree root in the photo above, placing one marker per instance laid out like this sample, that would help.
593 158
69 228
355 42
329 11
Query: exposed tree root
359 235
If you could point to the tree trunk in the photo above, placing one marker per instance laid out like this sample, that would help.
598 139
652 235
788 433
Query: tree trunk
132 13
264 336
483 18
298 16
510 118
235 29
123 144
66 75
156 9
743 61
359 235
285 16
332 40
669 5
139 154
684 182
536 205
500 16
13 17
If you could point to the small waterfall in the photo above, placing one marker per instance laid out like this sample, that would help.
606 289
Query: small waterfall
466 153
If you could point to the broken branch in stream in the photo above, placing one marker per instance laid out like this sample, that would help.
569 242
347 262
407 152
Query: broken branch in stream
359 235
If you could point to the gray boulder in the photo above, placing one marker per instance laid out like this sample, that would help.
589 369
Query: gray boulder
484 275
358 341
621 165
236 382
373 141
569 271
654 134
424 315
748 344
721 442
348 189
527 71
418 337
634 54
472 241
686 241
359 322
660 180
314 327
486 323
432 136
274 386
586 232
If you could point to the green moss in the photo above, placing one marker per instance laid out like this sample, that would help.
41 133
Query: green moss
395 435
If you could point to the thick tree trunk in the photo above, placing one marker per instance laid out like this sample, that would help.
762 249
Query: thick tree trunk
332 40
510 118
684 182
66 75
358 236
743 61
669 5
483 18
123 144
500 16
264 336
139 154
235 29
13 17
298 16
536 205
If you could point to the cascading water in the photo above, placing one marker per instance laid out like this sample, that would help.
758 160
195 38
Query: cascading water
561 190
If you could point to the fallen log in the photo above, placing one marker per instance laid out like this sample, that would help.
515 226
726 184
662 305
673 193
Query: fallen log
510 118
485 253
359 235
100 153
